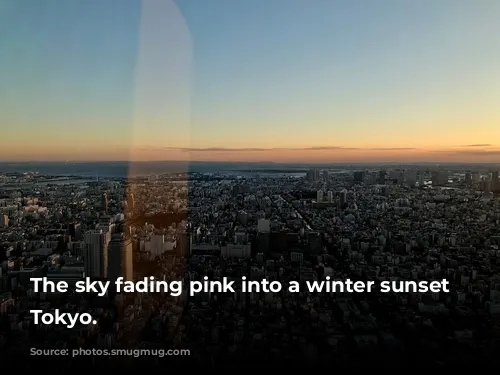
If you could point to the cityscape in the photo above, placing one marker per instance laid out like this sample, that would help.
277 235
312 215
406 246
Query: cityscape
396 223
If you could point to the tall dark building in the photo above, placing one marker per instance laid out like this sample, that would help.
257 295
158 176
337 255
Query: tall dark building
75 231
359 176
184 242
313 175
240 189
495 182
104 202
468 178
381 177
342 198
263 243
315 243
120 258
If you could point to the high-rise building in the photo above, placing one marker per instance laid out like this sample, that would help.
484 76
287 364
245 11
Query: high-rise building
104 202
329 195
312 175
120 258
421 179
184 242
359 176
236 251
4 221
468 178
296 257
439 178
75 231
95 253
495 183
315 243
485 186
382 176
342 198
319 196
264 243
410 178
263 226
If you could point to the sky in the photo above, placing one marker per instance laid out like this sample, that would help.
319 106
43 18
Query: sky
260 80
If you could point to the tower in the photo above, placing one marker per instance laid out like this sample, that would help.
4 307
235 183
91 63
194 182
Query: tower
104 202
96 253
120 258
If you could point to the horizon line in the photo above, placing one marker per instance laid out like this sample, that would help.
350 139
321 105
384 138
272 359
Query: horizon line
242 162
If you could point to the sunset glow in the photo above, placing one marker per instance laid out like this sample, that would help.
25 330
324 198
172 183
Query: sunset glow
191 80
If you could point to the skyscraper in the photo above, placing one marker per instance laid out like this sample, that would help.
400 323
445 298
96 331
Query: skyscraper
342 198
359 176
95 253
263 226
319 196
495 183
104 202
411 177
421 179
439 178
120 258
382 176
468 178
312 175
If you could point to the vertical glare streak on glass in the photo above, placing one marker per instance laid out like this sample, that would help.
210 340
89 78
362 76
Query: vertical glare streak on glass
161 111
162 83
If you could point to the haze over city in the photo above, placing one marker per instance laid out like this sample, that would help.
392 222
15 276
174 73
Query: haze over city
281 80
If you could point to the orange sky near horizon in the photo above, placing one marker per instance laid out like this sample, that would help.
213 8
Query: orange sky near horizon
321 154
98 81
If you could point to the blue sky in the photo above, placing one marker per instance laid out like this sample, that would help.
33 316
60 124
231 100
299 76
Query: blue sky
281 74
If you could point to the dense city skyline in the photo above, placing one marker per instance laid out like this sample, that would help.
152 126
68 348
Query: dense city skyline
284 81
